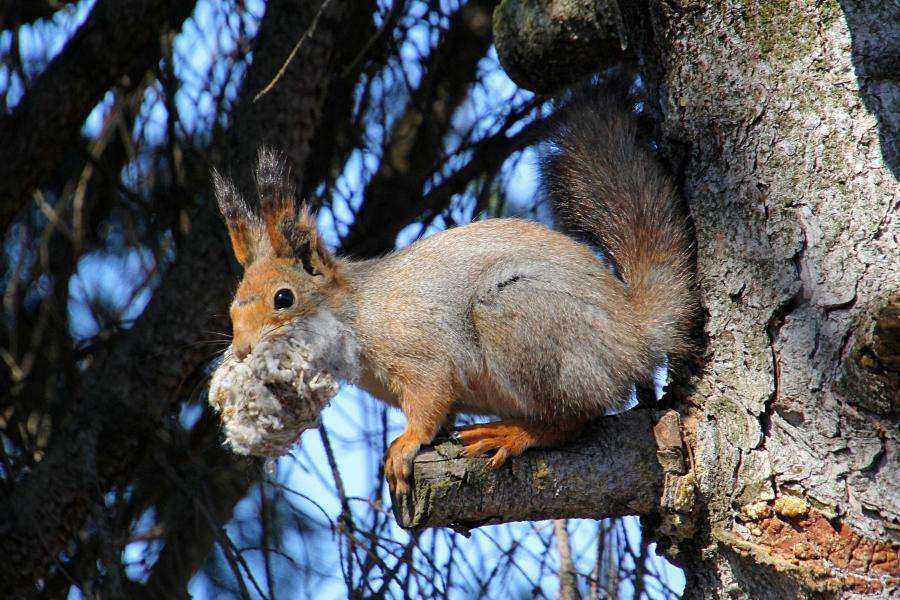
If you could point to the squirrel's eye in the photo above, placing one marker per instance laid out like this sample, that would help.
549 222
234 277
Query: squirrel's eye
284 298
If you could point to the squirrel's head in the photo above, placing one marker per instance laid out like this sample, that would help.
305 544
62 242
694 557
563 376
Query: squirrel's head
288 271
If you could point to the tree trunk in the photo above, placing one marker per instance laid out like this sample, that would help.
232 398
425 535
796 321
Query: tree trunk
780 122
793 201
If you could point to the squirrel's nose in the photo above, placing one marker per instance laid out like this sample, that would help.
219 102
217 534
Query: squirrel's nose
241 351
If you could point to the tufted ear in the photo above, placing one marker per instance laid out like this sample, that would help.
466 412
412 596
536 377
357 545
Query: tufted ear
292 232
309 248
277 190
244 227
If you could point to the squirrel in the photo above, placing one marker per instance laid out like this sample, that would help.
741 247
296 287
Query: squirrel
502 317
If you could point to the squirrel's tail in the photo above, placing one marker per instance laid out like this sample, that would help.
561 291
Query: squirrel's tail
605 184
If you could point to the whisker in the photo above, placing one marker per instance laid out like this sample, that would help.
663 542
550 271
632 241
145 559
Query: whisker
202 343
209 358
218 333
207 343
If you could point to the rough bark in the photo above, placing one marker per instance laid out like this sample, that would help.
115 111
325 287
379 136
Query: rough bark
780 121
793 202
544 45
611 471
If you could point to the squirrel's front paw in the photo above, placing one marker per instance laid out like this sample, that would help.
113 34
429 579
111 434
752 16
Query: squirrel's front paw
399 462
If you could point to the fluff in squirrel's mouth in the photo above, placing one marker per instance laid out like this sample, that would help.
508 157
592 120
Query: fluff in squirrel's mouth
268 399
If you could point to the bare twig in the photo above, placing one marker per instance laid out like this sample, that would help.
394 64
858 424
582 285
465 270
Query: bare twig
306 34
568 581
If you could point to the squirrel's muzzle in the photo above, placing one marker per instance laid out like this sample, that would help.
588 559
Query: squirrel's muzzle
241 352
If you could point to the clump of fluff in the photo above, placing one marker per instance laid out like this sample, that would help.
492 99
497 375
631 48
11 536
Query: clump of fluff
279 390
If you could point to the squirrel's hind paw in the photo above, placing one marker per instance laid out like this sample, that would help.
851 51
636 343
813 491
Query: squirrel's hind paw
512 438
503 438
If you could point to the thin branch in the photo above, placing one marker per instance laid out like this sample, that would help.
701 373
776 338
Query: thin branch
568 582
306 34
416 142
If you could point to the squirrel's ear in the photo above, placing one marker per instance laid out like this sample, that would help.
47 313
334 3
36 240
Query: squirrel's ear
276 189
308 247
292 232
243 225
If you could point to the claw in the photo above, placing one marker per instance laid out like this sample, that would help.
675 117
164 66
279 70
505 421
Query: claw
499 458
398 463
510 438
400 488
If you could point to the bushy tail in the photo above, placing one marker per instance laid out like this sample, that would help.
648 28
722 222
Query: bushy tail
605 184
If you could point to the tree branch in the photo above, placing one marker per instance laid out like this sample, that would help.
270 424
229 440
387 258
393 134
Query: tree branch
204 483
118 38
337 129
15 13
416 140
286 116
610 471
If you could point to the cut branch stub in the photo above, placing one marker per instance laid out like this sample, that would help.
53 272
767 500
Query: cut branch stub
544 46
609 471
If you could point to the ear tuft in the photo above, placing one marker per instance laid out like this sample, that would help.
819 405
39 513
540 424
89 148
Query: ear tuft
292 232
277 190
308 246
243 225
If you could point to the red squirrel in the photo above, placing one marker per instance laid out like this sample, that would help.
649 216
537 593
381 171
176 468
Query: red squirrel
502 317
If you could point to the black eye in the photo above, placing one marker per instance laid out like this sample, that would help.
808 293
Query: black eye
284 298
